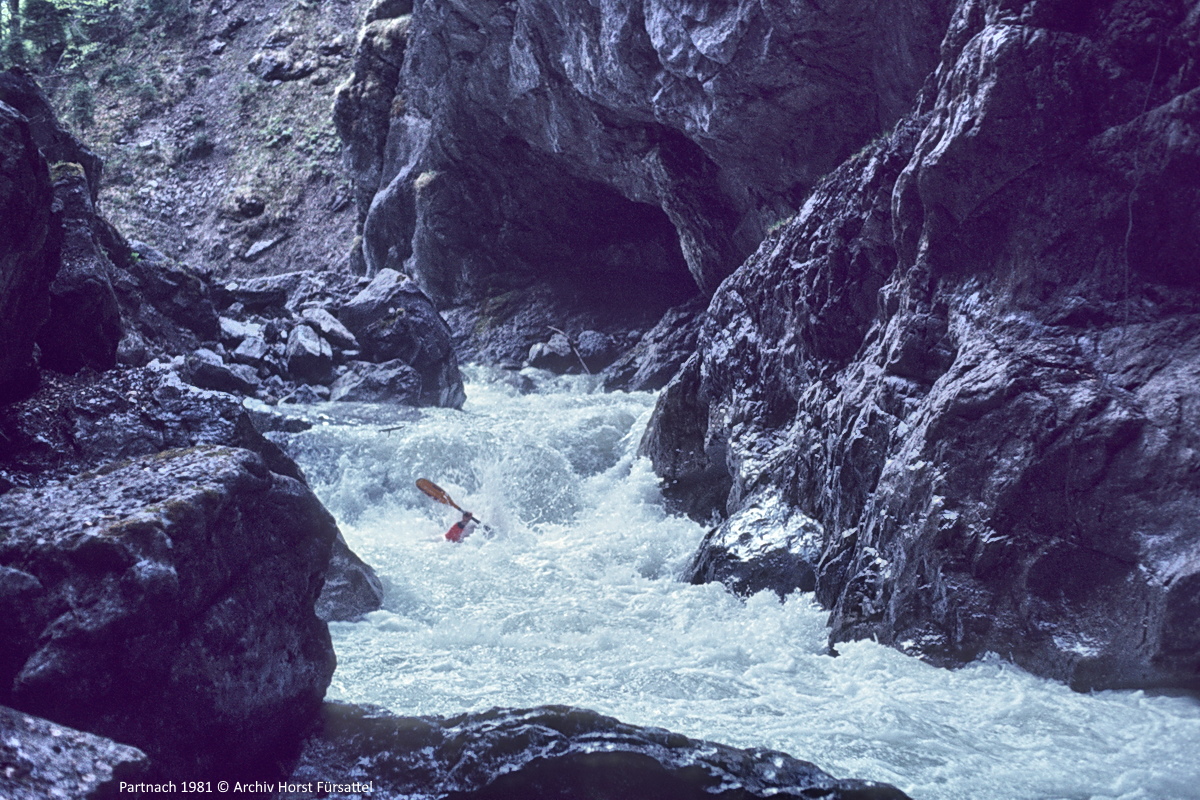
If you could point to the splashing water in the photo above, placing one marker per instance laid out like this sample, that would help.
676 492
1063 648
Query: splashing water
574 599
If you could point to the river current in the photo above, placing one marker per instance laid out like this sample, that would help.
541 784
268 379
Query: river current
574 598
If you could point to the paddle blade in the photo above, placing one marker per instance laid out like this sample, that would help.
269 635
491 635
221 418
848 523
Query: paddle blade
436 492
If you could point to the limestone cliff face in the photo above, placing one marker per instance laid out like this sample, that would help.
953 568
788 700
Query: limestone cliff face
613 147
969 366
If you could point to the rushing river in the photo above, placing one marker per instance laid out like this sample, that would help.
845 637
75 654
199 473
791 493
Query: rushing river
574 599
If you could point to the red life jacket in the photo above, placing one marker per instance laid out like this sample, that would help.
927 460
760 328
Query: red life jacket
455 534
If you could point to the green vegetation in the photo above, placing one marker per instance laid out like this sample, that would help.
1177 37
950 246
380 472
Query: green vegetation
57 34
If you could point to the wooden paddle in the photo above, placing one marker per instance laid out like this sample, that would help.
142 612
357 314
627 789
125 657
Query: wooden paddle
439 494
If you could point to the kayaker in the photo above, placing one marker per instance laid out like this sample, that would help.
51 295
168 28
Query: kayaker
460 530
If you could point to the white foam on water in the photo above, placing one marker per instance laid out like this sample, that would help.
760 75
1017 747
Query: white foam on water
574 599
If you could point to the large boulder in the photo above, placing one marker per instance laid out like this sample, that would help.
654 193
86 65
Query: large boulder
207 370
154 288
551 751
44 760
171 607
971 359
28 251
309 356
390 382
393 319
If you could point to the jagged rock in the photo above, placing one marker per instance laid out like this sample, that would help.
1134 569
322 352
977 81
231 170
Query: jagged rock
330 328
309 357
176 292
393 319
84 326
549 752
555 355
767 545
207 370
253 351
362 108
257 294
281 66
658 355
280 295
639 150
83 422
351 587
43 760
176 608
19 90
390 382
233 331
28 251
971 358
688 449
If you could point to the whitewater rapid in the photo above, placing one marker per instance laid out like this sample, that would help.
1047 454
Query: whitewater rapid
574 599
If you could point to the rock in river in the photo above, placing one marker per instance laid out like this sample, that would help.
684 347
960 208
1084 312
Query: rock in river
167 602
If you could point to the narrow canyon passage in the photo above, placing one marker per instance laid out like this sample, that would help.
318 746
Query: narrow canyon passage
574 599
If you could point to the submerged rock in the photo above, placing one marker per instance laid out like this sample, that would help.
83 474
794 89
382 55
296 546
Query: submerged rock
40 760
767 545
552 751
173 608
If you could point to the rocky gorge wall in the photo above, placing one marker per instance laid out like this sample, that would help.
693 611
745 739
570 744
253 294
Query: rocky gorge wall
953 394
165 571
624 156
957 394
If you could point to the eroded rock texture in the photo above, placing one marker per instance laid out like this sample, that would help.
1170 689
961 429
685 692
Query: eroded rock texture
549 752
167 603
973 359
42 760
624 154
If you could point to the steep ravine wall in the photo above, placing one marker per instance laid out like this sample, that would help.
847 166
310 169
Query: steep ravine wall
631 154
966 378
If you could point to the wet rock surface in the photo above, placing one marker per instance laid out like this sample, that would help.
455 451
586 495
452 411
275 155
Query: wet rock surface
391 318
637 152
552 751
971 359
182 580
78 423
43 760
351 588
